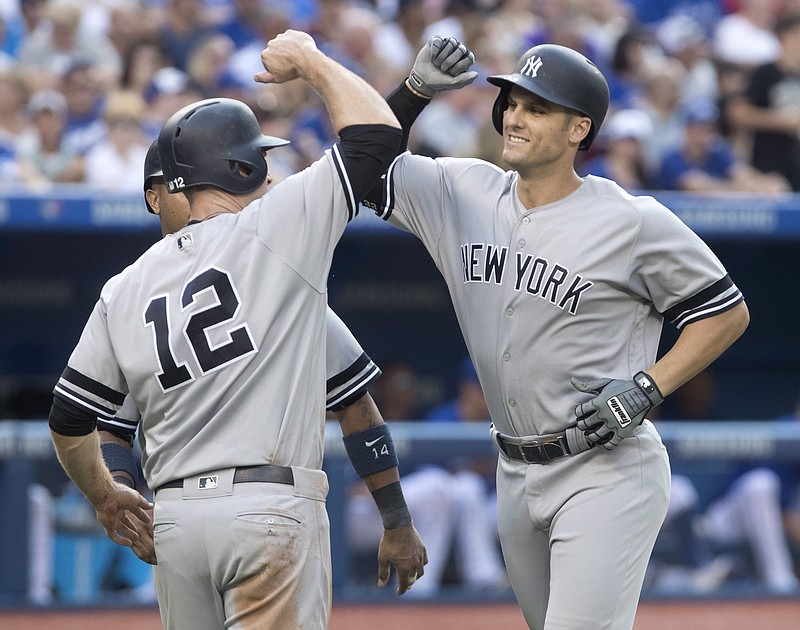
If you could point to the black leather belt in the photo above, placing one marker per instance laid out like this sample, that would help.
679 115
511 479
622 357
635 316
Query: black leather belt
541 450
268 473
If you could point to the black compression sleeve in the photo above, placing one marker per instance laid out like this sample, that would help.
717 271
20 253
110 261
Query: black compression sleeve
367 150
69 419
406 106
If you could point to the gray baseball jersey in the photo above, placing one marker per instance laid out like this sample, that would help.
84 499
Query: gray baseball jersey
599 271
349 372
578 287
179 329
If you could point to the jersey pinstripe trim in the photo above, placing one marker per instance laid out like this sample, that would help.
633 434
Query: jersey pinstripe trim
87 393
118 426
341 169
718 298
385 210
351 384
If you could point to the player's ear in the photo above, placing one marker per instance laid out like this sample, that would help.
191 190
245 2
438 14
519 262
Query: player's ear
579 128
153 198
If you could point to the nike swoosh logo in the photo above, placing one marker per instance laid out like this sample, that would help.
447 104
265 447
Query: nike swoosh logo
373 442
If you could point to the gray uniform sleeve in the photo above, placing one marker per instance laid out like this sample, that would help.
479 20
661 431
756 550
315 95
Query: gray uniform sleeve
678 272
92 379
420 194
349 371
124 423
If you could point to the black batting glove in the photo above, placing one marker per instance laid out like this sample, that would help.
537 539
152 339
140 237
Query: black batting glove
442 64
618 407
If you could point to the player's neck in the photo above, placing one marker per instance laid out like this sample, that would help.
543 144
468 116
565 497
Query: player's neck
209 203
535 191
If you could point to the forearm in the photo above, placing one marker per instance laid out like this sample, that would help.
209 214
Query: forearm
698 345
360 416
82 461
753 118
348 98
383 484
118 457
406 104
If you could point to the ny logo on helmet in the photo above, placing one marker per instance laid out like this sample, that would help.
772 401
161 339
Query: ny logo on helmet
532 65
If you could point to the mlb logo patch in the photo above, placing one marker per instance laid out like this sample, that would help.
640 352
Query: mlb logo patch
208 483
185 241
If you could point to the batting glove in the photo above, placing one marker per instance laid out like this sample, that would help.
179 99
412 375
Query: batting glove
442 64
618 407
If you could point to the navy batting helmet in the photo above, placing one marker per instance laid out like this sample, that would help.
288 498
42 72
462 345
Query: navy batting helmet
152 168
215 142
560 75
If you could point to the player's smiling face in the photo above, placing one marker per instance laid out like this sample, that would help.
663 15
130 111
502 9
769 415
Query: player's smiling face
537 132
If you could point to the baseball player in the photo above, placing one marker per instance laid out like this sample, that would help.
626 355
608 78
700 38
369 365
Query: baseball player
560 285
349 372
217 332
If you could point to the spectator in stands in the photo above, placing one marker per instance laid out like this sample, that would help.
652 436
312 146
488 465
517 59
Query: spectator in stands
603 23
31 14
245 62
13 95
448 126
744 37
241 27
142 59
56 45
168 91
732 81
85 94
466 20
122 22
352 46
207 63
468 405
621 141
706 162
397 392
274 106
323 22
770 108
185 25
683 38
630 66
43 155
398 40
661 101
115 163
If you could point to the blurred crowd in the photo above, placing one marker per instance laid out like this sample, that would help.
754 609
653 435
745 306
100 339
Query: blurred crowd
705 93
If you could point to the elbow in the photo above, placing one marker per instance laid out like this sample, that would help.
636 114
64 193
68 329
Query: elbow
741 320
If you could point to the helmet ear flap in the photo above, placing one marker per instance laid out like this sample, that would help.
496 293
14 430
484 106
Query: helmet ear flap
500 106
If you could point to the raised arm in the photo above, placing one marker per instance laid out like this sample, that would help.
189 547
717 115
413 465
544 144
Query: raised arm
349 99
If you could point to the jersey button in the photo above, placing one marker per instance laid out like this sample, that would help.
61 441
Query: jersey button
509 311
521 243
526 220
512 403
506 357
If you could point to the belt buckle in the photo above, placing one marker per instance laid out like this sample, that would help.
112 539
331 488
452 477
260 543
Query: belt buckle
540 446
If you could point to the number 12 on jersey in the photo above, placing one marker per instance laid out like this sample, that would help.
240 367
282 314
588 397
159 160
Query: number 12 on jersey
238 344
